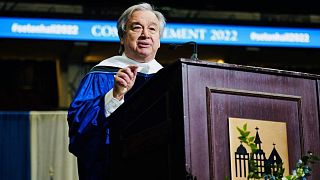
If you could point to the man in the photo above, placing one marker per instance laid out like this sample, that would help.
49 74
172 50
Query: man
109 84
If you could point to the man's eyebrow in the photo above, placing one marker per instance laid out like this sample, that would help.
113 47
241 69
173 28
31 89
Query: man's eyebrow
138 23
134 24
154 23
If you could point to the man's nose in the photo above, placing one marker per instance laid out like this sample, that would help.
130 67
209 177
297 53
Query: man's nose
145 33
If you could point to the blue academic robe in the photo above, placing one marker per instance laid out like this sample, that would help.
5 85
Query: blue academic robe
88 126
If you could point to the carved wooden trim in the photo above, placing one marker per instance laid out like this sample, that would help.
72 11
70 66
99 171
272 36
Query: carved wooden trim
254 93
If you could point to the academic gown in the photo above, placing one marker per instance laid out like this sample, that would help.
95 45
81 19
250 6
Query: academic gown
88 125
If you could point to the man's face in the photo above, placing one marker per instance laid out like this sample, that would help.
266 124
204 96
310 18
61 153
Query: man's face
141 39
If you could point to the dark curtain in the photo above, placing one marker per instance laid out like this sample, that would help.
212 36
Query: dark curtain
28 85
15 146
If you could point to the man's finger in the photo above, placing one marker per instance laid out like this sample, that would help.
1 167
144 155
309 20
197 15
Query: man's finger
121 81
125 76
134 69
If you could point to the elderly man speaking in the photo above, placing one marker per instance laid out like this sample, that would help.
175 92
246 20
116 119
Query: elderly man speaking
109 84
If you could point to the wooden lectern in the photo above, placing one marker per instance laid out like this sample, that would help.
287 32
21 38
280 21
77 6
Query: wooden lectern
176 126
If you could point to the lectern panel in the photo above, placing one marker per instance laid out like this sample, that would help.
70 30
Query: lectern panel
225 103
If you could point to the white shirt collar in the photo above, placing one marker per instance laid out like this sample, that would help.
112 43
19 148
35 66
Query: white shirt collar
123 61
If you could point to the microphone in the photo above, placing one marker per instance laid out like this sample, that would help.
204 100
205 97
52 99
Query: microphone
194 55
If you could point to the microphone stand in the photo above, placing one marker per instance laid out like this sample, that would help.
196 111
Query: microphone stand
194 55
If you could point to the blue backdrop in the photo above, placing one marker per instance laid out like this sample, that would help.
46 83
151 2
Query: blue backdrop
14 146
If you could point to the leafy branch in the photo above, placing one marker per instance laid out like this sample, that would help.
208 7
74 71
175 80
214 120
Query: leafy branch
301 172
249 141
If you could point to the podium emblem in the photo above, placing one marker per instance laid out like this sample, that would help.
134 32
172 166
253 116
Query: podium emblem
271 141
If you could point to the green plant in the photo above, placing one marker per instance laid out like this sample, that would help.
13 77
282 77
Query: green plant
249 141
302 169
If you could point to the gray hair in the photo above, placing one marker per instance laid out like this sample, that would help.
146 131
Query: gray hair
122 21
